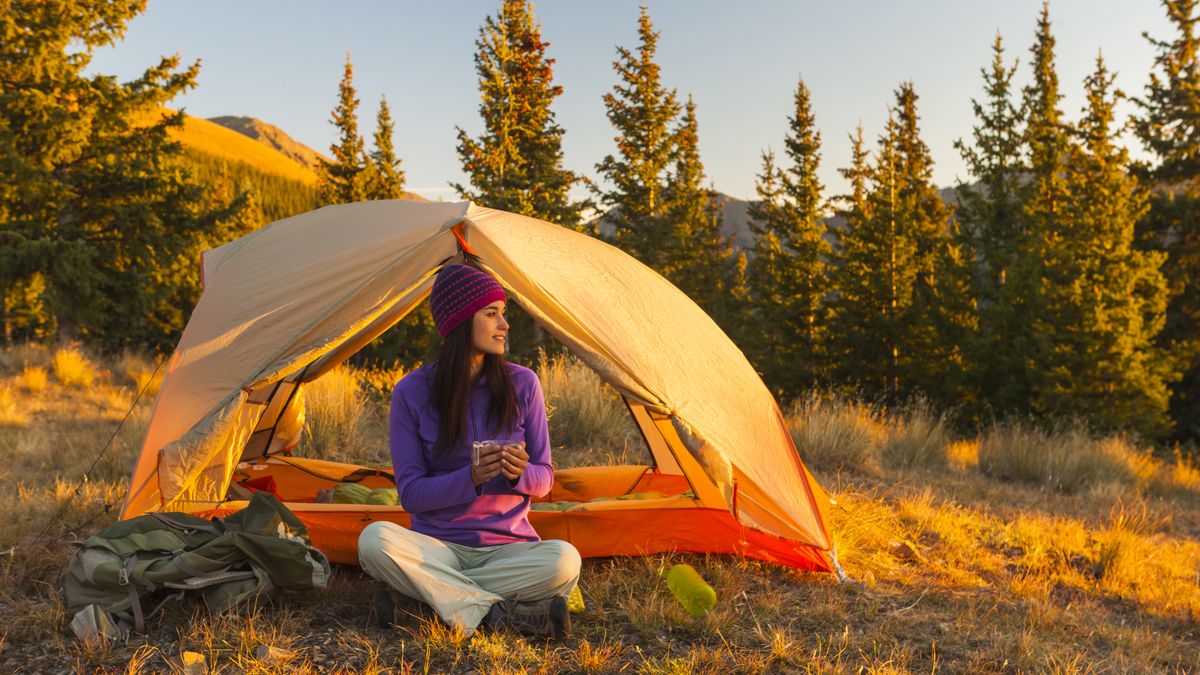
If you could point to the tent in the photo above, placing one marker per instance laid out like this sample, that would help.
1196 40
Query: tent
285 304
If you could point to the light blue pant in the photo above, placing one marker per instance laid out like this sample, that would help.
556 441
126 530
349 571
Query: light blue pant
462 583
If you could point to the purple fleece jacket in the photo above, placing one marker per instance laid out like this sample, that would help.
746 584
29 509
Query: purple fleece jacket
436 488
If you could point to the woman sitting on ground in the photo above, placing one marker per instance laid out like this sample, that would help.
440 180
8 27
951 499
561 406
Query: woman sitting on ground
471 553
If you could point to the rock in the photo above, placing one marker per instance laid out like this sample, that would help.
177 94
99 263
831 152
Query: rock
269 654
905 550
193 663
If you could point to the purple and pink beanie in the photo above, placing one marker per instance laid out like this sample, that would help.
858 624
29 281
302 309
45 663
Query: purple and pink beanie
458 292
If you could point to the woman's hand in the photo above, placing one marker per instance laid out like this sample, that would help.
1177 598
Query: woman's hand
513 460
489 465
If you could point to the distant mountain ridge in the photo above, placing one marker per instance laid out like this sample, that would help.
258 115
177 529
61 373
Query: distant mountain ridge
735 218
221 142
271 136
263 148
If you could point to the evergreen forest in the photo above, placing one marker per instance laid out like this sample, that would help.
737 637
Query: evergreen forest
1061 283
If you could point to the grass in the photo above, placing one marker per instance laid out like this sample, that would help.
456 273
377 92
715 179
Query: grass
11 413
834 433
919 437
335 410
73 369
586 416
958 568
1066 458
142 374
33 379
378 381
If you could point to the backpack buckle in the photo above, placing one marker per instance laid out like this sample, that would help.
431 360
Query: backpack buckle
126 569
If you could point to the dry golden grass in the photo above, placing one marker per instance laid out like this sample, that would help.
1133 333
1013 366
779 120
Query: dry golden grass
16 357
378 381
1065 458
33 379
918 437
142 374
956 572
835 433
586 415
218 141
73 369
1182 475
11 413
335 408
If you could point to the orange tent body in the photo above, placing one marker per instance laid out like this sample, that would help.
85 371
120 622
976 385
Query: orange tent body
284 305
606 527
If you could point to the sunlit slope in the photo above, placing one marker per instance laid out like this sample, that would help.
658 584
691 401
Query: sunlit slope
218 141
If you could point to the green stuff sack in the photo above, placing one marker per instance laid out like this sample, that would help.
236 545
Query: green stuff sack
351 493
383 496
690 589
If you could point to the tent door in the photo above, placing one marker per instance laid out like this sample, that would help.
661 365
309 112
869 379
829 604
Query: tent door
663 459
672 456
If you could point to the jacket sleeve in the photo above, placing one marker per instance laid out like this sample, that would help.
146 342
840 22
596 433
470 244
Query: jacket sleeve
539 473
418 491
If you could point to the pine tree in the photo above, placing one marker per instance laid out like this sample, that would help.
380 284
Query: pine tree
899 283
385 178
1102 301
343 179
1043 193
934 323
517 163
855 209
642 110
993 238
698 258
413 338
788 278
1169 127
1044 199
97 210
869 279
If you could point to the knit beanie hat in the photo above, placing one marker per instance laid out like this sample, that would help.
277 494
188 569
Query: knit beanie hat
458 292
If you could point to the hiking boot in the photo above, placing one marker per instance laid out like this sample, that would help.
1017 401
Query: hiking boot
383 609
543 618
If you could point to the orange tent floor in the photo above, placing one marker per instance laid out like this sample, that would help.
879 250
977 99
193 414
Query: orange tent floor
607 526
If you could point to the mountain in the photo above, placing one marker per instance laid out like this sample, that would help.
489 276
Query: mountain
735 218
222 143
270 136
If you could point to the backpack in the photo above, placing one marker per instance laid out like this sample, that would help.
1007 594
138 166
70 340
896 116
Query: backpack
159 557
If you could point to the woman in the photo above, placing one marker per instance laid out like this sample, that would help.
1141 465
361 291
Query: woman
471 553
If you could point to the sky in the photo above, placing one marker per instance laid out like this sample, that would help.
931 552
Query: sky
282 61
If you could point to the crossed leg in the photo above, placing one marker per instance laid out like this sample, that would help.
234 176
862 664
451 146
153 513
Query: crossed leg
461 583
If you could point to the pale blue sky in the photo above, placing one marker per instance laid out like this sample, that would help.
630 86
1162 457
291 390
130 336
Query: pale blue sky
281 62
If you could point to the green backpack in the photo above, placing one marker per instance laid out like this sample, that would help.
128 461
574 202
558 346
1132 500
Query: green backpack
159 557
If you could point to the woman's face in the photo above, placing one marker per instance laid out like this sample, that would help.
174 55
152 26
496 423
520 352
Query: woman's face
489 329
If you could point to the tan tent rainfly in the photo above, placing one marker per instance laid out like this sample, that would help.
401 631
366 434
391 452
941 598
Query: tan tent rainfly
283 305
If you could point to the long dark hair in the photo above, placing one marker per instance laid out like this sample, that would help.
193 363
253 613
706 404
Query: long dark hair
452 388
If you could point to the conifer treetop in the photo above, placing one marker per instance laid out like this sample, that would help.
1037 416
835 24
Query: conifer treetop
1170 122
341 179
386 176
516 164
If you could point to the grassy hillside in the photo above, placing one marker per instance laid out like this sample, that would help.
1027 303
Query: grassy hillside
275 196
271 136
220 142
984 555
